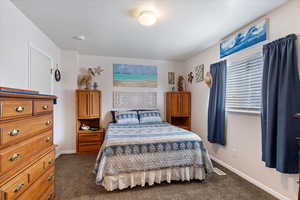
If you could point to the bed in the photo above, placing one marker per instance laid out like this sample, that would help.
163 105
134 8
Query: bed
151 153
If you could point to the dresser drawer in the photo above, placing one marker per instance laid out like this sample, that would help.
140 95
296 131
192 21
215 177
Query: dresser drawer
16 130
49 160
13 156
15 187
89 146
15 108
49 194
42 106
38 188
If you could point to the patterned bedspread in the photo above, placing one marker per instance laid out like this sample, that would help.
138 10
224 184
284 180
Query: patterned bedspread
142 147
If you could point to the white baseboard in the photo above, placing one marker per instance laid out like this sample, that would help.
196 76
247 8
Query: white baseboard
59 153
251 180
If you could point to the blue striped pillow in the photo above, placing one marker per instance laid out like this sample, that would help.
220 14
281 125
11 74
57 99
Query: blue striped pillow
127 117
149 116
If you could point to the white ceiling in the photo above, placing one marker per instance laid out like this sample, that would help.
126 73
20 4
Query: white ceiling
184 28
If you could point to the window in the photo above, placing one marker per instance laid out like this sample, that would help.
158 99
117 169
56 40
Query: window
244 82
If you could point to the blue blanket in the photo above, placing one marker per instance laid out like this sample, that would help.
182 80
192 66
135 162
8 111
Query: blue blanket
143 147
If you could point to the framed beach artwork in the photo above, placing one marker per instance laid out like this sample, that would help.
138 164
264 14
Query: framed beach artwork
127 75
244 39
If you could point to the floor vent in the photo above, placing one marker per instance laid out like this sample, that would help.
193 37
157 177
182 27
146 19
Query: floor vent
219 172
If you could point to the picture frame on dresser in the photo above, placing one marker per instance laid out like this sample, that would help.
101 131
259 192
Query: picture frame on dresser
26 121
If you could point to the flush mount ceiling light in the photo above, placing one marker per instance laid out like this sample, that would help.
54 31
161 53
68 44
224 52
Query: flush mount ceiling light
79 37
147 18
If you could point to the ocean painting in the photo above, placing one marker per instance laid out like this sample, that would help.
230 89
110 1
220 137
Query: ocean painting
244 39
126 75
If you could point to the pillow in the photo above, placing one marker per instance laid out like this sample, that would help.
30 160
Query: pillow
126 117
149 116
113 113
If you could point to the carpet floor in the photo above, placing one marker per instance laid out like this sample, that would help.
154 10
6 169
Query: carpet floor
75 181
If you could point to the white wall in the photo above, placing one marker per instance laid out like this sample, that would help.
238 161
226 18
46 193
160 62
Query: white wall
73 64
16 32
243 149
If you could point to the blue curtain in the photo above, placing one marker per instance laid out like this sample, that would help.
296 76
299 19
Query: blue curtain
216 109
280 91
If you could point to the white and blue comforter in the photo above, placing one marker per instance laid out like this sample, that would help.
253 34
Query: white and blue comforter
143 147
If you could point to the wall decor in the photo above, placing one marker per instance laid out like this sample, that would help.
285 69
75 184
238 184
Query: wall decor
85 80
126 75
181 84
171 78
248 37
199 73
57 75
208 79
190 77
134 100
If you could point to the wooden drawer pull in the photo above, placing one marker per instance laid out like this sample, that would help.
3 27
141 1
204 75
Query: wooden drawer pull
50 178
14 132
18 188
45 107
48 123
50 162
20 109
14 157
48 139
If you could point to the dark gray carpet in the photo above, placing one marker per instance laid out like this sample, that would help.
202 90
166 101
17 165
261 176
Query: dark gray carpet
75 181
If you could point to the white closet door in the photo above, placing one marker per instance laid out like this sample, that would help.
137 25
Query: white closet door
40 71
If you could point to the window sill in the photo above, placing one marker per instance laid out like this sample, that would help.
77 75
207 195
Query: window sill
244 111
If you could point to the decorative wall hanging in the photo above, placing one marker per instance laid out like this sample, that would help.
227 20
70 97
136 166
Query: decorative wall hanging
190 77
134 100
208 79
248 37
125 75
181 84
57 75
199 73
171 78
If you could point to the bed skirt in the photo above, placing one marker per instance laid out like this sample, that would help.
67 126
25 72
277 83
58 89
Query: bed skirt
126 180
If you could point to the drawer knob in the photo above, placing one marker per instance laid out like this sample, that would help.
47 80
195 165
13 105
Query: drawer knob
18 188
20 109
48 123
14 157
45 107
50 197
48 139
50 162
50 178
14 132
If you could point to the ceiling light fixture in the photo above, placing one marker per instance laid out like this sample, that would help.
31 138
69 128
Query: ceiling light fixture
79 37
147 18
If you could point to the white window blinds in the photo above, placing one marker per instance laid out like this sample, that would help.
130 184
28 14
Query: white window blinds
244 82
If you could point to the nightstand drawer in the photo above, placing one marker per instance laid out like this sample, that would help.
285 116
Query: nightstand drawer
89 146
15 108
83 137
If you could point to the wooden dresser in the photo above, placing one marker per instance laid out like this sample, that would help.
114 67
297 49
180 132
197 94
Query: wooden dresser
88 112
27 153
178 109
